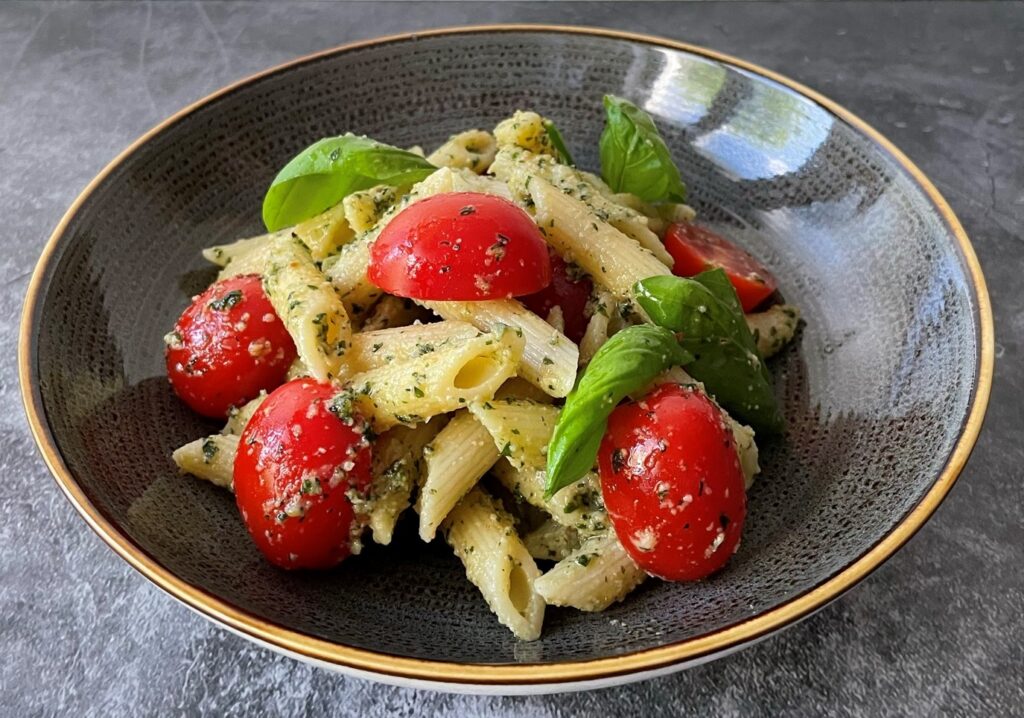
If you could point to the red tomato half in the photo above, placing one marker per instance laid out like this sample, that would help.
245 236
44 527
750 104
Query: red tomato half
296 461
571 295
672 483
227 347
460 246
696 249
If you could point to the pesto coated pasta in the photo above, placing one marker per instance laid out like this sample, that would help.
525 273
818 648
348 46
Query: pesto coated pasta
492 343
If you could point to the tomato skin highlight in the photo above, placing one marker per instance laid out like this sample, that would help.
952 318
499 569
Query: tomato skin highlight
672 483
460 246
296 462
571 295
696 249
227 347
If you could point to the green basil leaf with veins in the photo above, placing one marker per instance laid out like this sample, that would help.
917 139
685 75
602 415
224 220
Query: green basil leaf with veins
327 171
625 363
706 312
558 143
634 158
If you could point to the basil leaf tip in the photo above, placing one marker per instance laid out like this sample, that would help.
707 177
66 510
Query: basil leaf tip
628 361
634 157
555 137
329 170
707 313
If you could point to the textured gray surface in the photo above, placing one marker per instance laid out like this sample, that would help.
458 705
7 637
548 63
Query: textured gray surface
938 629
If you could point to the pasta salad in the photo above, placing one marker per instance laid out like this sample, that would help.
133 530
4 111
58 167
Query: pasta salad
558 372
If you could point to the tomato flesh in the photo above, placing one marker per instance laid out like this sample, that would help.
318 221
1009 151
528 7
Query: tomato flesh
570 295
296 462
672 483
696 249
460 246
227 347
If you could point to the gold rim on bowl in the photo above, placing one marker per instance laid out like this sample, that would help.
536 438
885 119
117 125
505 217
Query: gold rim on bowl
455 674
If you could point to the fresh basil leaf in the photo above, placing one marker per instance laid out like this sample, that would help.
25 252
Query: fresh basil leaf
707 313
627 362
558 143
327 171
634 158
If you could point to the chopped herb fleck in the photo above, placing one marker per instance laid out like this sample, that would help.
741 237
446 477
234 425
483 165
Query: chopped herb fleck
227 301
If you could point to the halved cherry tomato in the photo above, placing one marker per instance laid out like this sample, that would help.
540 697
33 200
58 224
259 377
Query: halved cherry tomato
227 347
696 249
296 462
672 483
460 246
571 295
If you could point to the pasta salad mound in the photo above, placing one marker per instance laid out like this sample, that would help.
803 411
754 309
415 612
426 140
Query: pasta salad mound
559 372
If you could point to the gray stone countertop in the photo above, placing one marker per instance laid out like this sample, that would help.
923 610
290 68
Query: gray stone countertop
938 630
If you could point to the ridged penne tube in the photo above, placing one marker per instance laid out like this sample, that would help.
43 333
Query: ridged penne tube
309 307
773 328
347 274
211 458
398 465
613 260
364 209
524 130
549 357
455 460
472 150
485 540
519 169
324 233
450 378
244 256
592 577
238 417
374 349
578 506
551 541
520 429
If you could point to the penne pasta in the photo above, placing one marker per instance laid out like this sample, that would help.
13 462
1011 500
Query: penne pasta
578 506
373 349
520 168
472 150
612 259
773 328
448 379
549 357
593 577
211 458
309 308
455 461
325 233
519 428
524 130
398 465
485 540
245 256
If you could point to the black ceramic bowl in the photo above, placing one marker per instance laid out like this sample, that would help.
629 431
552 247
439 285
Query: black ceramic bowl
884 391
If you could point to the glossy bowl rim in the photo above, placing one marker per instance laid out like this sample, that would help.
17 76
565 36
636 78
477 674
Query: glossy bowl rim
542 676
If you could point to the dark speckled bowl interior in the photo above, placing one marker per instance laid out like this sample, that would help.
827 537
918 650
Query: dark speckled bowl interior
877 389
